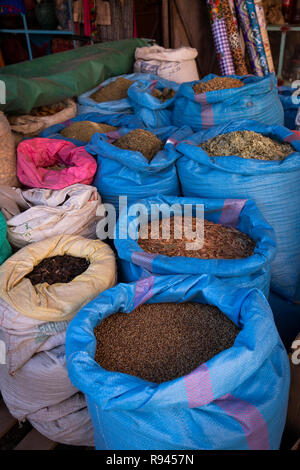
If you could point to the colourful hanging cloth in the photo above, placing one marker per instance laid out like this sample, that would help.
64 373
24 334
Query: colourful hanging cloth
244 20
12 7
221 41
234 40
255 29
264 33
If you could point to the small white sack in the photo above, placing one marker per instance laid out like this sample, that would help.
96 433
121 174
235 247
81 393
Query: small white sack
36 214
177 65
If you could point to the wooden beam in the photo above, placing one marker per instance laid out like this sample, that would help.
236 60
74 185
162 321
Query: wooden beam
165 23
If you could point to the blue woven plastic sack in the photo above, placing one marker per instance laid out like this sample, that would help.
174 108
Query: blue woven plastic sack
272 185
236 400
257 100
118 120
88 105
127 173
290 108
254 271
152 111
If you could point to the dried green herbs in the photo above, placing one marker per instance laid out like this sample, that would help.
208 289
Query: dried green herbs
220 242
247 144
84 130
116 90
217 83
161 342
140 140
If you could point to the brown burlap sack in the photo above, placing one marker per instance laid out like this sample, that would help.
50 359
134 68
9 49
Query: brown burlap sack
8 168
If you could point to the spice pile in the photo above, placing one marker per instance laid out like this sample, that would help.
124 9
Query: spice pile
142 141
217 83
163 95
84 130
61 268
161 342
116 90
247 144
47 110
220 242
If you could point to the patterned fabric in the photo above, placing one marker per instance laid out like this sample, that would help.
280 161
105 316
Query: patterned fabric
264 33
220 37
244 21
234 40
12 7
255 31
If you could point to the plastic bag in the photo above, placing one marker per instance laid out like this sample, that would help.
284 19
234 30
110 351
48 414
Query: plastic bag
151 111
37 157
28 125
237 400
118 120
88 105
178 65
289 106
5 248
258 100
253 271
36 214
127 173
272 185
59 301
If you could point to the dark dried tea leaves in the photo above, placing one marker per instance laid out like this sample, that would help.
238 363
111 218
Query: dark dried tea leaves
60 268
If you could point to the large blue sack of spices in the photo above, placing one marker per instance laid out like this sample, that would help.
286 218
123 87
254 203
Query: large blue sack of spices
117 120
272 185
88 105
127 173
291 103
257 100
152 111
241 214
235 401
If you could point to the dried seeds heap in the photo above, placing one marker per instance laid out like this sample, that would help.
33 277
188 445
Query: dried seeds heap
47 110
217 83
116 90
61 268
247 144
161 342
163 95
84 130
142 141
220 242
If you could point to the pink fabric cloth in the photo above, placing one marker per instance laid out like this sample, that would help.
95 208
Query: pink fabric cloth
35 155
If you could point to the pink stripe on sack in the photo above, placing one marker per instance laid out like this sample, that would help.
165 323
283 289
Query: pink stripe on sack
207 114
172 141
291 138
112 136
143 290
198 387
67 123
153 85
143 259
231 211
250 419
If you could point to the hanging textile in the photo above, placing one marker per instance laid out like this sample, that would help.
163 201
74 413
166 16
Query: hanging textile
244 20
220 37
264 33
234 40
255 30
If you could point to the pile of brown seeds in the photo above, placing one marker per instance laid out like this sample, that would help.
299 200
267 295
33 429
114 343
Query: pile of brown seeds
161 342
47 110
217 83
163 95
247 144
140 140
116 90
61 268
84 130
220 242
